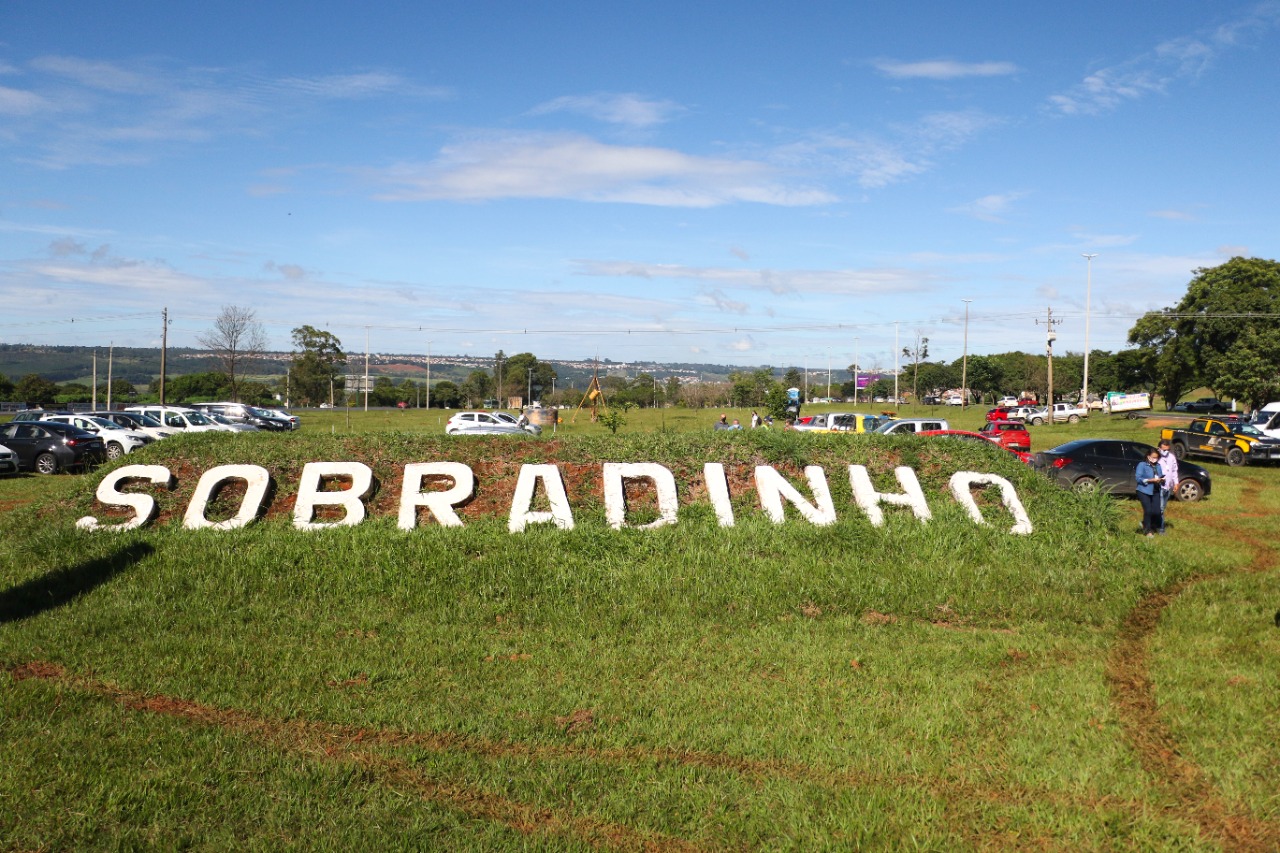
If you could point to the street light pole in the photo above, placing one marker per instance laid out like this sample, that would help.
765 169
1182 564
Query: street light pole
428 374
964 370
1088 289
855 370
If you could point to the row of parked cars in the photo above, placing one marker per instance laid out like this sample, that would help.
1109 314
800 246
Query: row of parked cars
50 441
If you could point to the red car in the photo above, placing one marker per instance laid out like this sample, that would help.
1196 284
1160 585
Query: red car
965 435
1010 434
999 413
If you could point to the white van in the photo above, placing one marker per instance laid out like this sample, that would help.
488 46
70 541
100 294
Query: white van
910 425
177 417
1267 419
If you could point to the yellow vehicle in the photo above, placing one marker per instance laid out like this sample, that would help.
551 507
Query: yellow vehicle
1233 443
842 422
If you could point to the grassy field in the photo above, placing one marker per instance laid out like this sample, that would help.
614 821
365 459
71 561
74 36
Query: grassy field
941 686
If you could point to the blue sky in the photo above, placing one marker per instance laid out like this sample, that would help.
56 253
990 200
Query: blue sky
739 183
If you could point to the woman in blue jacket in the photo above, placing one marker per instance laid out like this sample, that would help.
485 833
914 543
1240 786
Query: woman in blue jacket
1149 484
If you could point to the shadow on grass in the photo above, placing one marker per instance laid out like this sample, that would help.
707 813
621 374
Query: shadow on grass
62 586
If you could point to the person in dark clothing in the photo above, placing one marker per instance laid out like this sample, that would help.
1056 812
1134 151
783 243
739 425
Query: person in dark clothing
1148 481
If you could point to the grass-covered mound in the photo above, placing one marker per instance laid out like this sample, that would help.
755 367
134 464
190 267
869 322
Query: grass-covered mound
940 684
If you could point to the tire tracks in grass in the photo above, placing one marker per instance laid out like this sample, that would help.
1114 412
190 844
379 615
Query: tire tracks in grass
329 741
357 746
1134 697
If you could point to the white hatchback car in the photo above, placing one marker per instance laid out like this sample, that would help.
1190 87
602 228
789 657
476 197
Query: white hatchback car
483 423
118 440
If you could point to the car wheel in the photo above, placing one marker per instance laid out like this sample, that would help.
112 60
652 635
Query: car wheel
47 463
1037 421
1179 450
1085 484
1235 457
1074 419
1189 491
114 451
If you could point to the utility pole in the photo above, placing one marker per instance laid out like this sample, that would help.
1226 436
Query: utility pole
366 368
855 370
428 374
828 374
897 364
95 379
110 356
1088 290
1050 337
164 348
964 370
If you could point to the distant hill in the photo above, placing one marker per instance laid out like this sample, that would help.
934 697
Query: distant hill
140 365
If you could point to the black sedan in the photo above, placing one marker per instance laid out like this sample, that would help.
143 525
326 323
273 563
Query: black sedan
1107 463
48 447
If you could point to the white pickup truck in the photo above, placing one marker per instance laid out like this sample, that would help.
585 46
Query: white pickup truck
1062 413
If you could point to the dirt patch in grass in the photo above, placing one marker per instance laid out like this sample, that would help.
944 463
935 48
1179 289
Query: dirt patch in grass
1133 694
366 747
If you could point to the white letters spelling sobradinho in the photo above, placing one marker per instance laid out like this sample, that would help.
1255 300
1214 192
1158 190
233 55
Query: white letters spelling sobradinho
772 489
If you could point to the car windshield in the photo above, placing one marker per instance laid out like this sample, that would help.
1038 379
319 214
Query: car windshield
1249 430
148 421
104 423
198 419
259 413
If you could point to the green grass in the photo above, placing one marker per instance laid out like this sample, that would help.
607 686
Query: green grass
945 686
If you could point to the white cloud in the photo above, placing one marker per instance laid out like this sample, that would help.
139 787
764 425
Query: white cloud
103 76
583 169
1169 62
16 102
880 160
626 109
1173 215
871 281
944 69
989 208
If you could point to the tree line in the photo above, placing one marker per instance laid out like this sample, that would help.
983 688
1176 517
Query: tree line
1224 334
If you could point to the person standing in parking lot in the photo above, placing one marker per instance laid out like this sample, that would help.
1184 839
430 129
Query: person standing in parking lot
1169 469
1147 481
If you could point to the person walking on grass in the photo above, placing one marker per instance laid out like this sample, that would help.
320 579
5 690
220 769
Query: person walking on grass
1169 469
1148 482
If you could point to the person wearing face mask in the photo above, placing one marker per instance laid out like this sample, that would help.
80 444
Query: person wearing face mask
1168 465
1148 483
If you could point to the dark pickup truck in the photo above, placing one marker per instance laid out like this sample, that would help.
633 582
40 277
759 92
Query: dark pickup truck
1232 442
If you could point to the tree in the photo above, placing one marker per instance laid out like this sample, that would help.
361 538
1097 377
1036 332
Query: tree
673 389
318 362
1165 355
475 390
194 387
1229 312
985 375
917 354
237 339
1249 370
750 389
6 388
523 370
445 395
34 390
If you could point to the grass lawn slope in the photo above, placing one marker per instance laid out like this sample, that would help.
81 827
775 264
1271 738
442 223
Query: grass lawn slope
945 685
